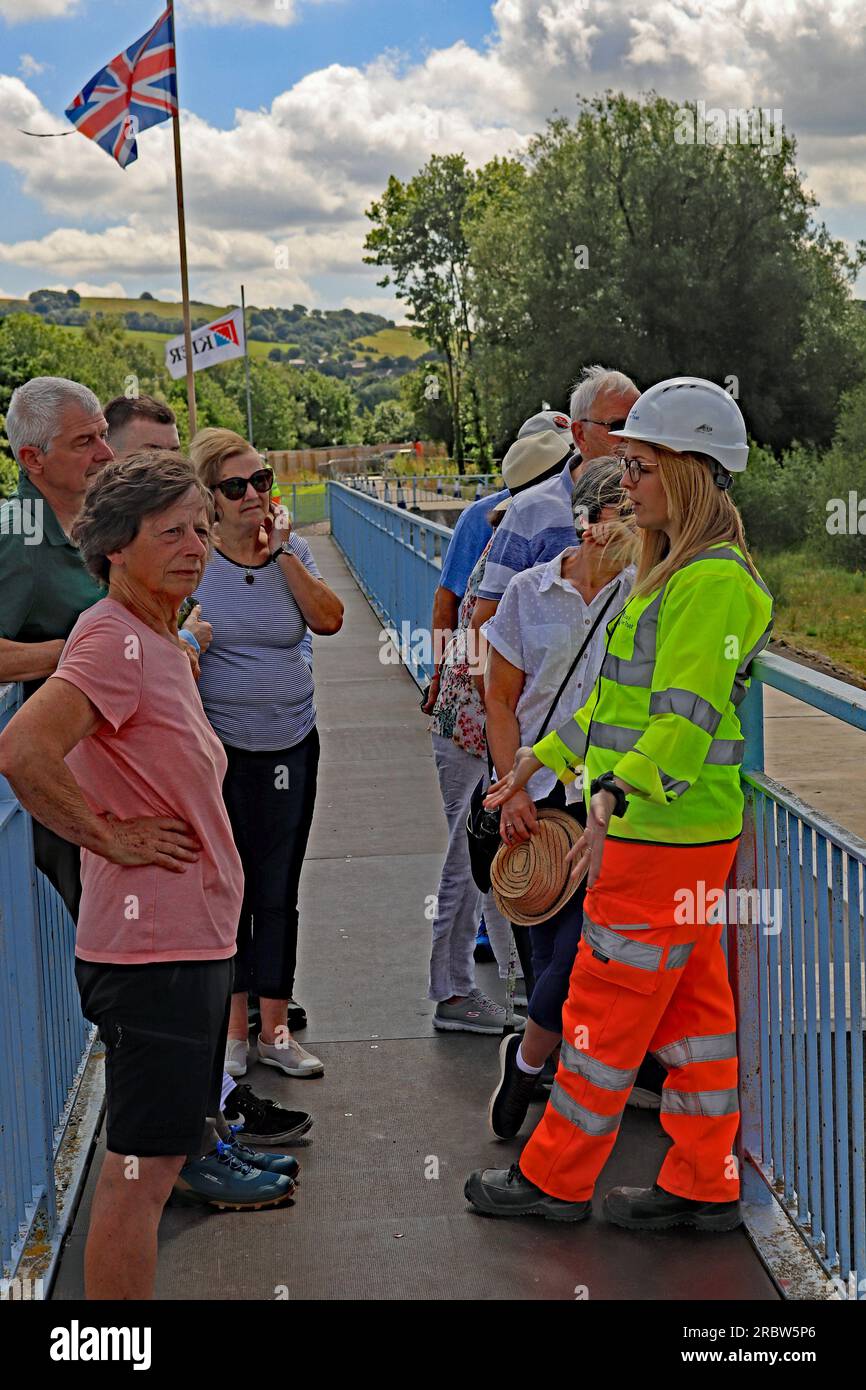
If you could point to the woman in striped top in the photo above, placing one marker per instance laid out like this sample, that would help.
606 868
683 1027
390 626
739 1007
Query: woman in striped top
261 592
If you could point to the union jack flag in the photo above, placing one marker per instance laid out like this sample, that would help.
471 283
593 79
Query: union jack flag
135 90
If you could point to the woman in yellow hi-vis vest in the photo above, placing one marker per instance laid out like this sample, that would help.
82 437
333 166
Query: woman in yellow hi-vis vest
661 745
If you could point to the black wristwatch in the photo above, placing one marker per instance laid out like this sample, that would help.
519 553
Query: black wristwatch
606 783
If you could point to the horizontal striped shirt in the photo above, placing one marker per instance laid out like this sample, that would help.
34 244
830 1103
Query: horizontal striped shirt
538 526
256 676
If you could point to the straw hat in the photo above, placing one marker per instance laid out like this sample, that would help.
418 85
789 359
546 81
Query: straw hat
531 880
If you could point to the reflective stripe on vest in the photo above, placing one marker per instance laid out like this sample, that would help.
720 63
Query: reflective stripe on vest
588 1120
716 1047
723 752
740 690
688 706
607 1078
708 1103
616 947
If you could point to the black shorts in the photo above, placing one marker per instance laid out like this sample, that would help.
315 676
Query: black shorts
164 1027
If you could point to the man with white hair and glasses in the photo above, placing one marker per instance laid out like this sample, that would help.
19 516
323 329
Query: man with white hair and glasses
58 436
540 525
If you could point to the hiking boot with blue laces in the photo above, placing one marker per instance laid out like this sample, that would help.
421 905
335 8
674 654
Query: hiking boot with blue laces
286 1164
224 1181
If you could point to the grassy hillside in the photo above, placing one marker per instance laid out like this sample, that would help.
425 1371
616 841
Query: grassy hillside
386 342
392 342
156 342
162 308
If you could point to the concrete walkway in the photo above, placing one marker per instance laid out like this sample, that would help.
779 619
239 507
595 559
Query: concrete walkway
400 1112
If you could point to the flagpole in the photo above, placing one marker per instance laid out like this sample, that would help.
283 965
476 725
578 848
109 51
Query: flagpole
247 369
181 231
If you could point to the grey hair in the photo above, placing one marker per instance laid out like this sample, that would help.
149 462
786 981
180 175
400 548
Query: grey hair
599 484
34 411
590 385
124 493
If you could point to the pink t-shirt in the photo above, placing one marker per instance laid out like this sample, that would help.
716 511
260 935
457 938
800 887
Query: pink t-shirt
155 755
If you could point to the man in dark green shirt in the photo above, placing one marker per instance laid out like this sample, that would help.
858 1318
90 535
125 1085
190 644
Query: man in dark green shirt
58 436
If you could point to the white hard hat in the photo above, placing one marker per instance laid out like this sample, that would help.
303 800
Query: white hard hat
689 415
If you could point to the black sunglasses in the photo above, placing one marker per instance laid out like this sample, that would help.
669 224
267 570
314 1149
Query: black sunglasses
234 488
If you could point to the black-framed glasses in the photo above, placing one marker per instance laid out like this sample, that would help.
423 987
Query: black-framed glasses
635 469
605 424
234 488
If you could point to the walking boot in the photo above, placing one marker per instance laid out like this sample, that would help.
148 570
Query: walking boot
653 1209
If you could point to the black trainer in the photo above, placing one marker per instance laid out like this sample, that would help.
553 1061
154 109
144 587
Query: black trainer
263 1121
297 1017
510 1101
653 1209
506 1192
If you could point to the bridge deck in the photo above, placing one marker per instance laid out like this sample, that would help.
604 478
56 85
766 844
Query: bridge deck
368 1223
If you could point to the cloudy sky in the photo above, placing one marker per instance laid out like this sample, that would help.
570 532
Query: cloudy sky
296 111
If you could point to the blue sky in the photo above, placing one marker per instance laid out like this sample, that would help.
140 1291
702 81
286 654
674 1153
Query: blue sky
224 66
293 125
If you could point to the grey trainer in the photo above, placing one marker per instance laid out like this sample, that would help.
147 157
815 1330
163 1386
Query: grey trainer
474 1014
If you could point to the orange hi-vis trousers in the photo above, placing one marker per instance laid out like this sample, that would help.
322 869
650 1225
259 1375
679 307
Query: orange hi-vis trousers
649 975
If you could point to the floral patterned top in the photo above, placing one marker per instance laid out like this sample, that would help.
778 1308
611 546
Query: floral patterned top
458 713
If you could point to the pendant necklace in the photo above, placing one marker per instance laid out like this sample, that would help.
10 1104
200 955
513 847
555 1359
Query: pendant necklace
249 577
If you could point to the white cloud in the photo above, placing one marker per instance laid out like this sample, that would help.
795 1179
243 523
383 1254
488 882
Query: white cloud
375 304
279 12
28 66
114 290
25 11
299 174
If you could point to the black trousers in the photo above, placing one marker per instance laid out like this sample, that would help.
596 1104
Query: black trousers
522 938
270 798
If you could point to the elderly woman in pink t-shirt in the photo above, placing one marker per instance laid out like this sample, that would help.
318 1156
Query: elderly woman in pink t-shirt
115 754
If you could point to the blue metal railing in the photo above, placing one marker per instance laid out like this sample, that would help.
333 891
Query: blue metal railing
408 491
43 1037
796 961
800 991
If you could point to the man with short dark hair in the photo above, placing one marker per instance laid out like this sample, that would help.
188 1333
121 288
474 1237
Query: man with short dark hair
140 422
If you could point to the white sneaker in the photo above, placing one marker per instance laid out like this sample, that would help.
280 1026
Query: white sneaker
290 1057
236 1057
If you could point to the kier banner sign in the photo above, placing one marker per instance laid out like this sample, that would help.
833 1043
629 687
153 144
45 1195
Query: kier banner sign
217 342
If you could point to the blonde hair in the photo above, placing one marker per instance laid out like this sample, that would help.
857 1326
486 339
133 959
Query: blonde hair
703 512
209 450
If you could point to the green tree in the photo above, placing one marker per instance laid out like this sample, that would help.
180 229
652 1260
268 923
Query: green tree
424 394
625 247
838 513
329 407
420 233
390 423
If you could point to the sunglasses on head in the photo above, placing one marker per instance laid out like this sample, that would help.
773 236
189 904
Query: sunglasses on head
235 488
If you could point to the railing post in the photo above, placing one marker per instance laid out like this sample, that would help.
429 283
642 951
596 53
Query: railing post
752 724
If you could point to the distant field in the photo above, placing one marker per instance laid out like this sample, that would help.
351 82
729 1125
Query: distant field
392 342
389 342
818 609
161 308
